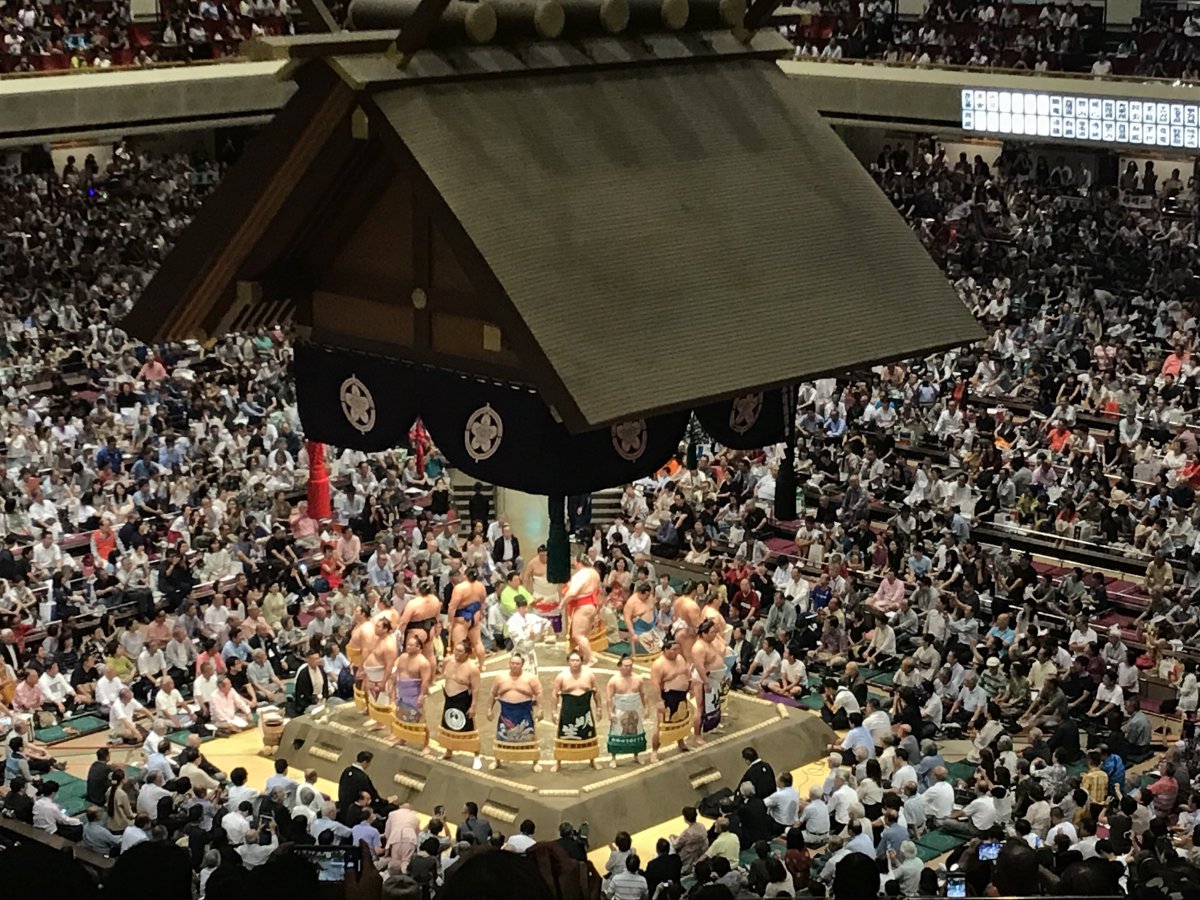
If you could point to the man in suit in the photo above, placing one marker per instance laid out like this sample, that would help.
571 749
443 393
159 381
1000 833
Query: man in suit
355 781
665 867
759 773
506 550
479 507
753 816
10 652
8 562
312 685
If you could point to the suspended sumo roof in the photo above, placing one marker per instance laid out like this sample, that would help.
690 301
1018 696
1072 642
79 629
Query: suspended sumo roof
614 229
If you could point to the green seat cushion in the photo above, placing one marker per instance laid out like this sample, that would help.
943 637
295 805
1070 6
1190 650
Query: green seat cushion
927 853
180 737
940 841
72 792
56 734
961 769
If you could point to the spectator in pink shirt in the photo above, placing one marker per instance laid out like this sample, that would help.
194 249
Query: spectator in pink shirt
153 370
29 696
888 595
226 705
304 526
1044 476
1174 361
1164 791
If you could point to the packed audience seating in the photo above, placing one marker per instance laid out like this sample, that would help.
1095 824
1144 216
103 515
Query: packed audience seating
988 592
1064 36
1071 37
43 37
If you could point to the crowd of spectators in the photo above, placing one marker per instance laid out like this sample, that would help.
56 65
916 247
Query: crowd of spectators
1067 36
158 565
1069 431
984 35
39 36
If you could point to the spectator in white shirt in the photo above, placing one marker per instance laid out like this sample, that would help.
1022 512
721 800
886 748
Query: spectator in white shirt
783 804
843 798
108 688
639 540
1082 637
877 721
57 689
239 791
169 703
765 665
629 884
48 817
320 625
1109 698
158 762
137 833
151 667
814 818
523 839
205 684
1060 825
47 556
216 617
939 796
793 676
976 819
180 654
122 717
796 590
150 793
236 823
904 772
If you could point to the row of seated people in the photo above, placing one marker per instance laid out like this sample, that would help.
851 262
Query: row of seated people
54 43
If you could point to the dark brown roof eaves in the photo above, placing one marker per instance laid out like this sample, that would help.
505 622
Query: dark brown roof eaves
186 289
677 233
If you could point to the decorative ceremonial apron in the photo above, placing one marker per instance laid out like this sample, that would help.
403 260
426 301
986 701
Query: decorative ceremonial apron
408 691
373 681
545 596
575 721
627 730
676 706
648 637
711 717
516 723
454 715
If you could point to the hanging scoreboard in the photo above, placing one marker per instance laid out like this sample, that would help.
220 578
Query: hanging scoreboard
1070 117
